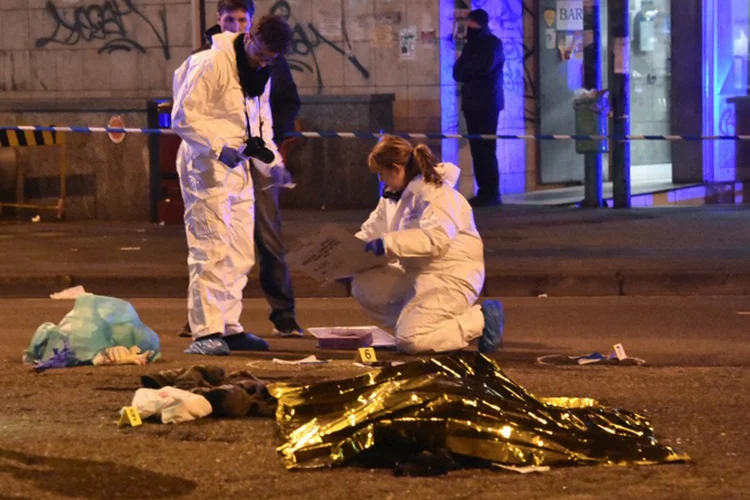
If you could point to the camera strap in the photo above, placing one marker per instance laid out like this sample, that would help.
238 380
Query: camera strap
247 116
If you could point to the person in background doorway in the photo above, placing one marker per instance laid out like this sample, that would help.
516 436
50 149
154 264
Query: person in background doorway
235 16
426 228
480 69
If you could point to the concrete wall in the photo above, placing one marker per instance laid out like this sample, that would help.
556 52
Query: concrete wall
58 49
97 58
368 34
79 62
105 180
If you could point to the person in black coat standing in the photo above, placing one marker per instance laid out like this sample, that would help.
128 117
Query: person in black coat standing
480 69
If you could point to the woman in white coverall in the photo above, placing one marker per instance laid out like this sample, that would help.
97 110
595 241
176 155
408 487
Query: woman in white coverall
429 289
220 99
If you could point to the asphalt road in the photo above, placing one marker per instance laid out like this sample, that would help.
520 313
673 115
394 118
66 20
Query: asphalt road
58 438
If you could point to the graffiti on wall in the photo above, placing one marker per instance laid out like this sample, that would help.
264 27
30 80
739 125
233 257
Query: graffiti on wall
105 21
307 40
508 18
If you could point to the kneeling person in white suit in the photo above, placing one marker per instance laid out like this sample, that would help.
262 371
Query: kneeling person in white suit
428 291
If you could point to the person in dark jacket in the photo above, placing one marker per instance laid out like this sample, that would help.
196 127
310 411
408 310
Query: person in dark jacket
480 69
275 280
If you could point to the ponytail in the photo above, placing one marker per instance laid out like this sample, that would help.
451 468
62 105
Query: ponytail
392 150
426 162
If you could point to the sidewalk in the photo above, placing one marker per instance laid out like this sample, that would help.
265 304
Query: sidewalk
529 251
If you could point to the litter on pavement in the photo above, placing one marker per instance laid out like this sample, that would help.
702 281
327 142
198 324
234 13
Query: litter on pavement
310 360
121 355
614 358
69 293
95 324
171 405
233 395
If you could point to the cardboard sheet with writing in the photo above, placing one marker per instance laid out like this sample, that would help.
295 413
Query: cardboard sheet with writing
332 252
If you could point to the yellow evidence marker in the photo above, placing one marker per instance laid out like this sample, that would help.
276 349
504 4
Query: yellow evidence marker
366 355
129 416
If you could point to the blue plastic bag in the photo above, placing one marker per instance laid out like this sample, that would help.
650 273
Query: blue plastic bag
95 323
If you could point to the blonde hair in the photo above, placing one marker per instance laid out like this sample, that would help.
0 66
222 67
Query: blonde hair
417 160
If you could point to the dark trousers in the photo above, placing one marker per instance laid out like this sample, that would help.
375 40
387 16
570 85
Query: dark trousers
275 280
484 153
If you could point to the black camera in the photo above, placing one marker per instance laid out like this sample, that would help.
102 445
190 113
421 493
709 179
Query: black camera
255 147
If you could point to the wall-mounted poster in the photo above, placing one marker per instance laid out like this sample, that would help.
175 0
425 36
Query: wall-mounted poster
407 37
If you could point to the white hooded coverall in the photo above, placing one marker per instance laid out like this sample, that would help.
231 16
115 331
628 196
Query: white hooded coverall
209 113
428 292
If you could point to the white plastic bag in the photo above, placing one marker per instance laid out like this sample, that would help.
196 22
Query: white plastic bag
172 404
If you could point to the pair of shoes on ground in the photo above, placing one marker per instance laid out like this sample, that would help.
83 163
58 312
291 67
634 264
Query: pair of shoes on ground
218 345
285 327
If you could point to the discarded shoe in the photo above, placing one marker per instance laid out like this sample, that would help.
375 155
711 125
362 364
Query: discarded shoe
245 342
212 345
492 333
287 327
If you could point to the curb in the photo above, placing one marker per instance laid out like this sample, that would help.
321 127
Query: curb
623 283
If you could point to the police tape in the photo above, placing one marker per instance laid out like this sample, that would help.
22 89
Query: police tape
404 135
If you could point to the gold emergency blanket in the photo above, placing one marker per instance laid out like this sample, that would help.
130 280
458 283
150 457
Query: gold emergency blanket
462 403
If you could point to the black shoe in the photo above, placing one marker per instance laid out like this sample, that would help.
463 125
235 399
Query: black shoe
287 327
245 342
485 202
186 331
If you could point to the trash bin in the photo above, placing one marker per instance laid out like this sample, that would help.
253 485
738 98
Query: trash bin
166 198
591 109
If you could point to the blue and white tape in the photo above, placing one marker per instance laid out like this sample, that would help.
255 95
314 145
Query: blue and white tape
407 135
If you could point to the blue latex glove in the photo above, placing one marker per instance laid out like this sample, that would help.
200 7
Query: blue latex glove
375 246
230 157
281 176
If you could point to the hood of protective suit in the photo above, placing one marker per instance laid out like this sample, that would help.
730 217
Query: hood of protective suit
224 42
449 172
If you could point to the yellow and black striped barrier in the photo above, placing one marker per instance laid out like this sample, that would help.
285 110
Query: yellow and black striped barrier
29 138
26 138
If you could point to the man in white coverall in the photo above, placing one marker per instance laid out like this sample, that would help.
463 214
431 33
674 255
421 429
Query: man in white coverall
221 103
428 292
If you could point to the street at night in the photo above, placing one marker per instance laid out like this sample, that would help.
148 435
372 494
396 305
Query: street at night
60 438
